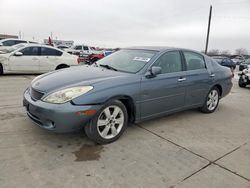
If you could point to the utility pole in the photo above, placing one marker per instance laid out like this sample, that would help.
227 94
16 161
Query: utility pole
208 28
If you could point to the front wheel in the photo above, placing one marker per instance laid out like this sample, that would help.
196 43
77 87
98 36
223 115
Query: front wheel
108 124
212 101
241 82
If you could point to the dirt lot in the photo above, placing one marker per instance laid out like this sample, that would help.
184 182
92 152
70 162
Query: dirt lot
187 149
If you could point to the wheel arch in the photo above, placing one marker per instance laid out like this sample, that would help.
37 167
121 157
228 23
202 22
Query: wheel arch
129 103
62 65
219 88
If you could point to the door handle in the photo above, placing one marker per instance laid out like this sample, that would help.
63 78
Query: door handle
34 58
212 75
181 79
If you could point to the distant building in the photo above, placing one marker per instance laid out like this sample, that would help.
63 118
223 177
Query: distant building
4 36
60 42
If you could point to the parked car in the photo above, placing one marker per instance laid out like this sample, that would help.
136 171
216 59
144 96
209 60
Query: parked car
130 85
238 60
90 59
244 65
12 42
83 49
35 58
63 47
225 61
244 79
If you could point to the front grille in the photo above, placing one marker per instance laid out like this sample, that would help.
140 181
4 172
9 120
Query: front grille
35 95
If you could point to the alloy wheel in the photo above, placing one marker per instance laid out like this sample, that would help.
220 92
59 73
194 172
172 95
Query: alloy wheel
110 122
212 100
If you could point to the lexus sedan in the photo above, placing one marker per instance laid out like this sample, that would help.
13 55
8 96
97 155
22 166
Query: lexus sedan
130 85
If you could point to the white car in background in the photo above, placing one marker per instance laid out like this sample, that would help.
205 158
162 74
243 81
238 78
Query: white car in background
82 50
36 58
11 42
8 49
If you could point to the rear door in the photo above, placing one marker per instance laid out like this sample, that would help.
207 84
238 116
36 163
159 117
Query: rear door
198 78
28 62
49 59
164 92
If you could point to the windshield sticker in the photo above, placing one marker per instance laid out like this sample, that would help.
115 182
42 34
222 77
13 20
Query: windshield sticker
145 59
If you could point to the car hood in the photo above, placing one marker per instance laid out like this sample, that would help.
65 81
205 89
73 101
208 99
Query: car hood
74 76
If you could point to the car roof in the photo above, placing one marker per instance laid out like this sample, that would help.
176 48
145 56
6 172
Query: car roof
160 48
220 57
153 48
42 45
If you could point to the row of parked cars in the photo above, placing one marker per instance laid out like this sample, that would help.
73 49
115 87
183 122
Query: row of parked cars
244 66
231 63
21 56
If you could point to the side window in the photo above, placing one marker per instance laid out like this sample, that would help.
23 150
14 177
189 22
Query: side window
85 48
50 52
20 41
194 61
9 43
169 62
30 51
78 48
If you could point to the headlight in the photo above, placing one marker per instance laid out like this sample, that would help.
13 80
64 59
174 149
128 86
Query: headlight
66 95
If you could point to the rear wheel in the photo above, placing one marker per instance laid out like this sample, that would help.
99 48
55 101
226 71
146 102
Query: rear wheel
108 124
212 101
241 82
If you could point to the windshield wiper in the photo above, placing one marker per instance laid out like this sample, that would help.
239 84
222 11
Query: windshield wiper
108 67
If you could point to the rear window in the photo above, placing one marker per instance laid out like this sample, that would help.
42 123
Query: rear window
50 52
194 60
20 41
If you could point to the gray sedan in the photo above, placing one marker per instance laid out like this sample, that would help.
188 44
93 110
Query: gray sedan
130 85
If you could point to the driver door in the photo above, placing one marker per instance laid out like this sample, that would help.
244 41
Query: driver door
26 62
166 91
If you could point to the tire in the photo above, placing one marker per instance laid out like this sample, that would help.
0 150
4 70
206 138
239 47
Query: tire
212 101
241 83
105 127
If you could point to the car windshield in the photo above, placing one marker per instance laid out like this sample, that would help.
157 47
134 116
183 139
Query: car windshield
127 60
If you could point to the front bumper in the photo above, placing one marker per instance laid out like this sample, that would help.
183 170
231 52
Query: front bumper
59 118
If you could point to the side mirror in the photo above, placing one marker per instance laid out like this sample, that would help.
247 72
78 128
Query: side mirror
153 72
18 54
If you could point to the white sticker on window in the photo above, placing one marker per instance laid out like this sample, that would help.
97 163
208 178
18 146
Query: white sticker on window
145 59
